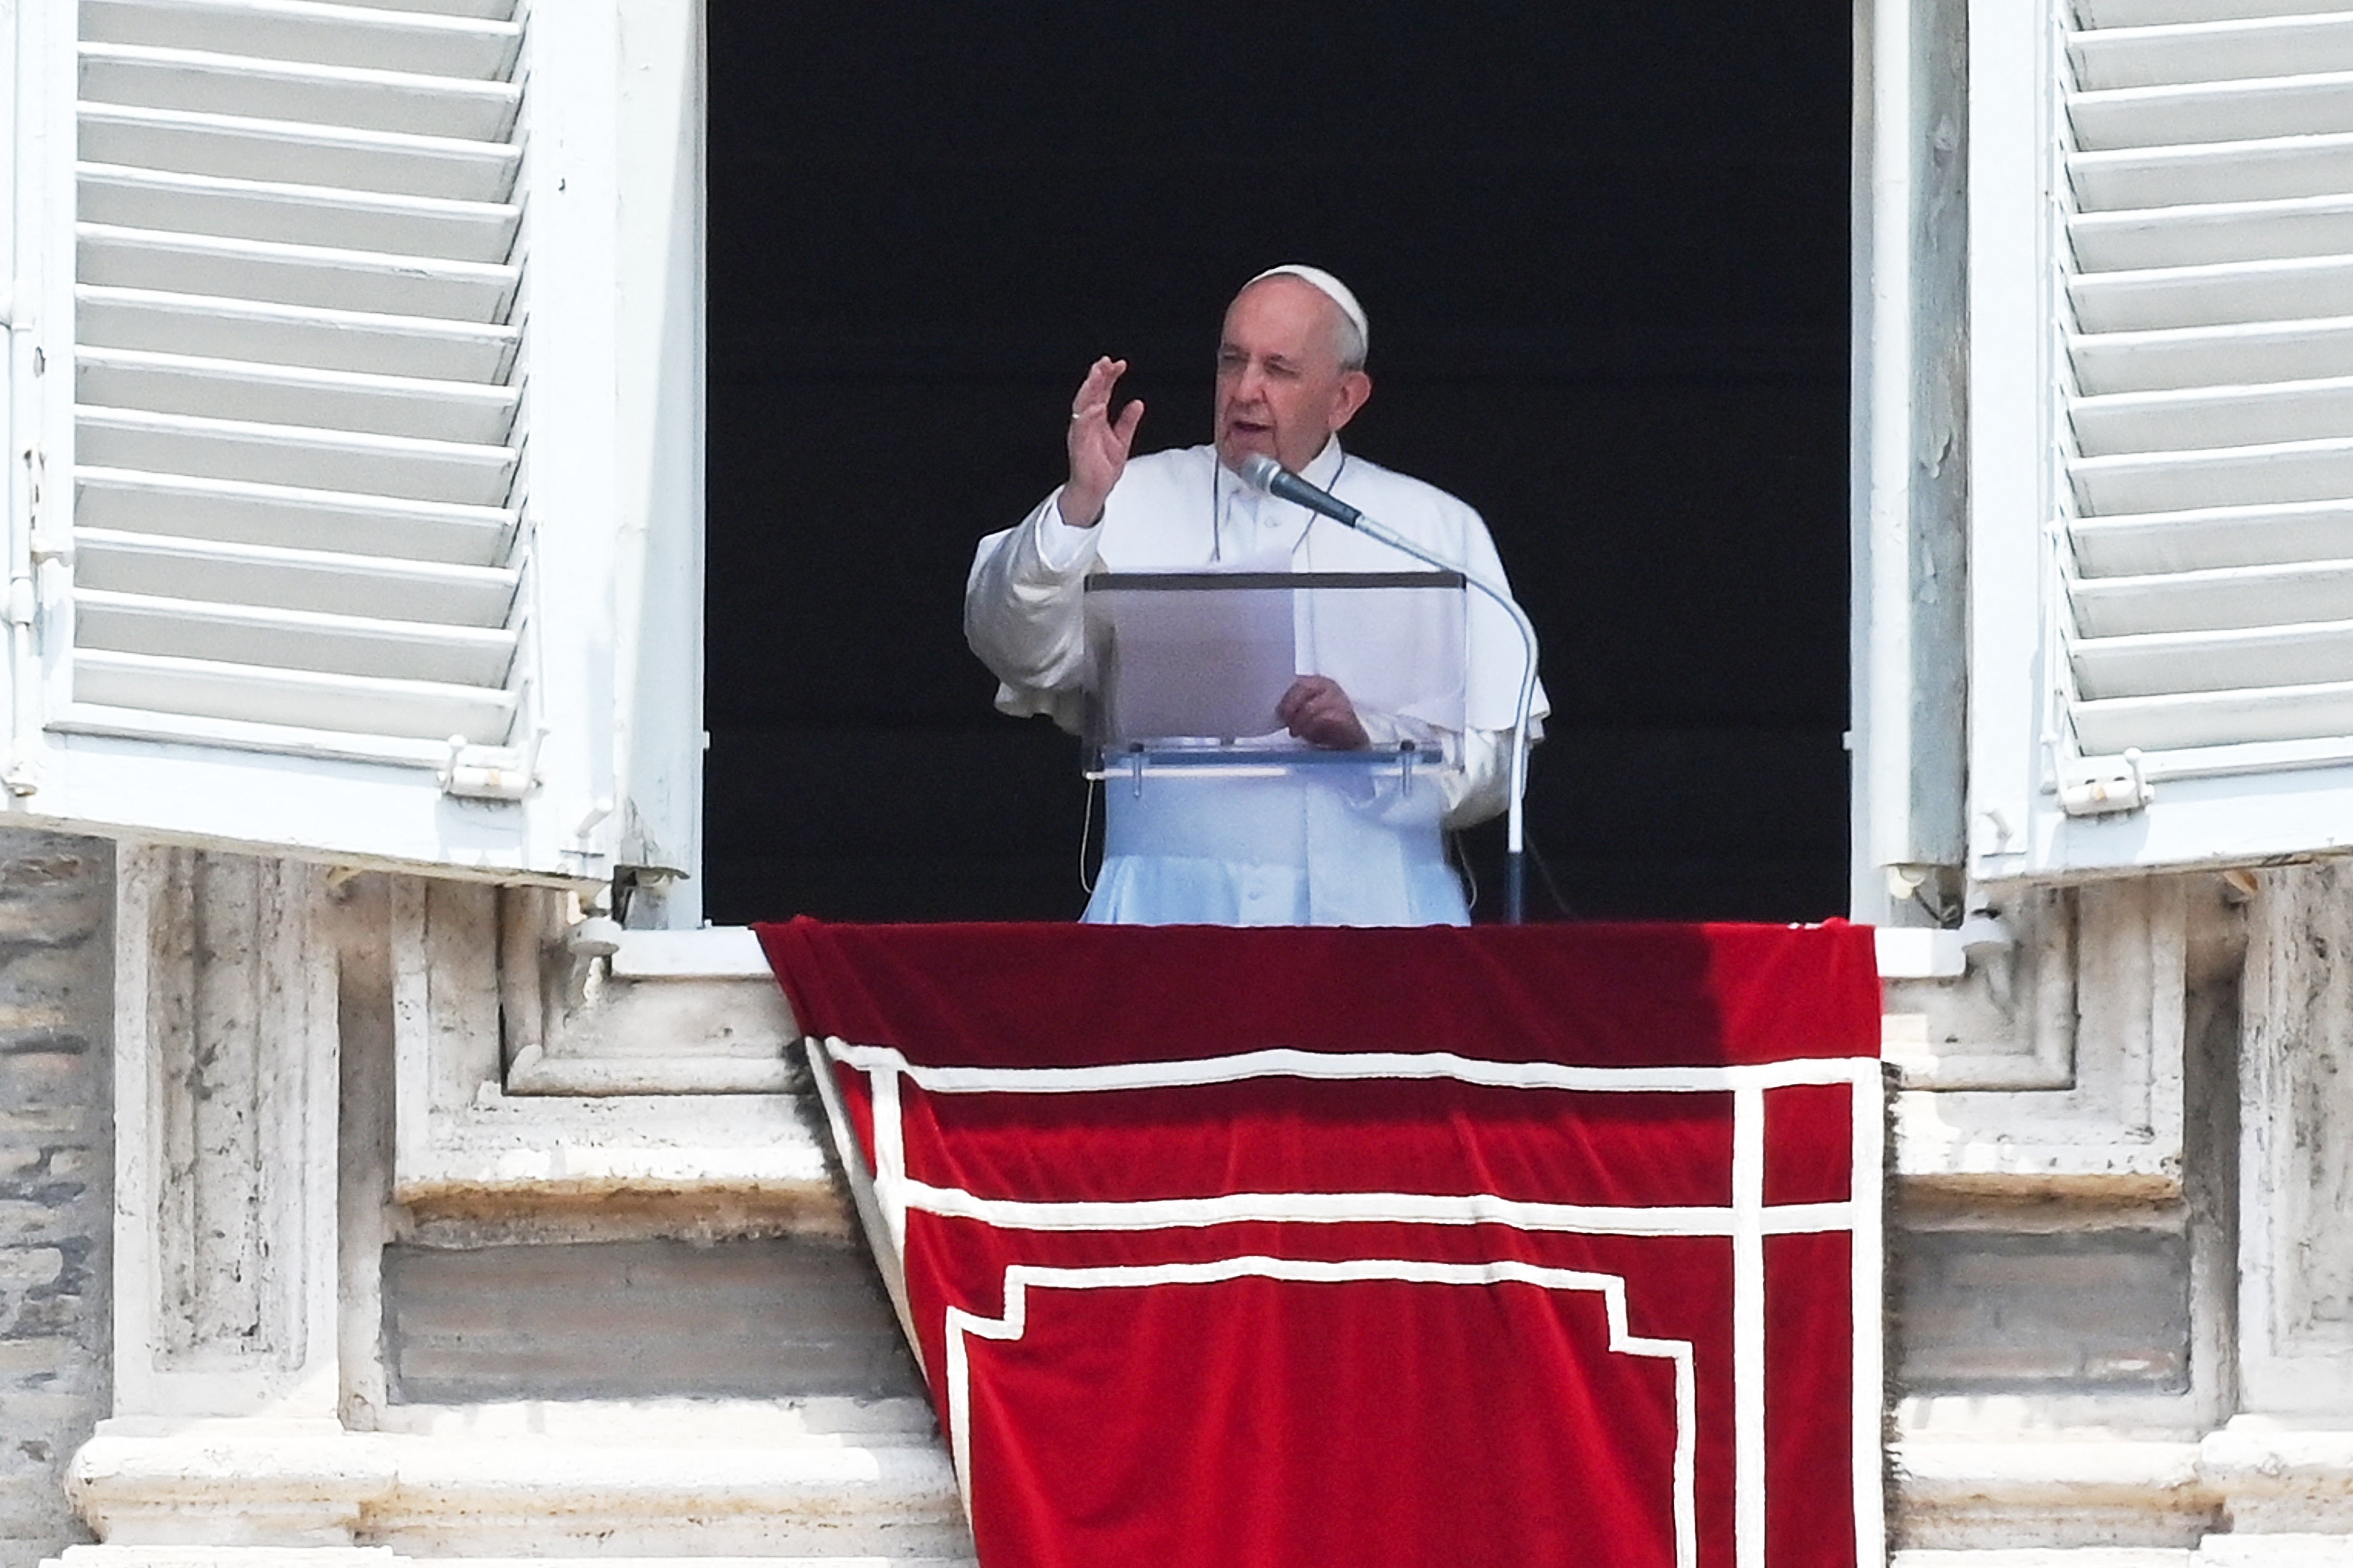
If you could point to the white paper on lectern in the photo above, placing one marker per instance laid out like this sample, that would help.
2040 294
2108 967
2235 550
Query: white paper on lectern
1205 658
1204 665
1398 651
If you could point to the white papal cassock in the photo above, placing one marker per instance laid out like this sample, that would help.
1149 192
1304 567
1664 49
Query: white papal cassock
1313 847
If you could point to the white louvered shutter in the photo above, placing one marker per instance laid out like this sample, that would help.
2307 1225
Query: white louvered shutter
2162 408
325 539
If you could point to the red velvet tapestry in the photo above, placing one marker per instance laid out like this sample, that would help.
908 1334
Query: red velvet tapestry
1390 1248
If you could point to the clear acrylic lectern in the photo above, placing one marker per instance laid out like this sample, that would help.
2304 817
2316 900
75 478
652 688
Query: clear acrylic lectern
1188 668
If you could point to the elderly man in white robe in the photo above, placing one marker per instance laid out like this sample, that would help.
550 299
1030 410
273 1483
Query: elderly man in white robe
1317 845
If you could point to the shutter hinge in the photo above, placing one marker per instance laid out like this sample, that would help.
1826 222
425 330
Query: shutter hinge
583 847
491 773
2101 786
44 544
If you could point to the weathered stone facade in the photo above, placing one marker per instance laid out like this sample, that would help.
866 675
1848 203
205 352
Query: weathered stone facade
442 1231
56 1167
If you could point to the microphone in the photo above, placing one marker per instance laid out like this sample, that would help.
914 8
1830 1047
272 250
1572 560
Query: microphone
1261 472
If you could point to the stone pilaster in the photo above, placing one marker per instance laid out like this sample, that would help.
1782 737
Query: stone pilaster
2296 1303
226 1194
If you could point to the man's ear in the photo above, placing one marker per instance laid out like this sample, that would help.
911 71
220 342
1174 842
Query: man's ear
1355 390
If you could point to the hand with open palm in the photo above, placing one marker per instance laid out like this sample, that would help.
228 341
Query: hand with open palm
1098 444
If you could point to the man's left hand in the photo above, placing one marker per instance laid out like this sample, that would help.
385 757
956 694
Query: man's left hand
1317 712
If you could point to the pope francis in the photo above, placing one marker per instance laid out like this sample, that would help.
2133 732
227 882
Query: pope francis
1316 846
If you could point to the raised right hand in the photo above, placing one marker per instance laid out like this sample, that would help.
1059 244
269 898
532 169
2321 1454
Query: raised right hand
1098 444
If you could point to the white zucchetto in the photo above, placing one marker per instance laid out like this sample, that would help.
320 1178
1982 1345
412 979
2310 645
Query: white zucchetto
1331 287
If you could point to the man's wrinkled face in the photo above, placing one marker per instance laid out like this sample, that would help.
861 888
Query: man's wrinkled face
1280 387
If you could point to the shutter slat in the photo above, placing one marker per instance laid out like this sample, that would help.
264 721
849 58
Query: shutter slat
278 578
2207 234
2282 166
208 327
2315 105
2241 659
239 147
356 461
488 10
2214 718
361 99
2190 418
2266 475
2234 49
2160 12
2200 540
295 274
2215 600
411 709
2238 292
230 511
292 640
312 33
150 725
407 226
2239 355
288 395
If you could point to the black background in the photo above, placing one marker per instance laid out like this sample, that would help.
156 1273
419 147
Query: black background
1604 251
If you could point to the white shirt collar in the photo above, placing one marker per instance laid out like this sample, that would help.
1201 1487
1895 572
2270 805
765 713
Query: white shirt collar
1320 471
1259 511
1325 467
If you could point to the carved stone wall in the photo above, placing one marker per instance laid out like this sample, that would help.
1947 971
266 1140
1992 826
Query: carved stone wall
367 1299
2125 1157
2066 1265
2125 1313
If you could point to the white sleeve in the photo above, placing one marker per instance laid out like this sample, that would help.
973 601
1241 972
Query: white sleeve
1061 547
1482 787
1024 612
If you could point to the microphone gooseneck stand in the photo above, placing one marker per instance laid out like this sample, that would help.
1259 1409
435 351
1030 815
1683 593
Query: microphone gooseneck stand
1261 472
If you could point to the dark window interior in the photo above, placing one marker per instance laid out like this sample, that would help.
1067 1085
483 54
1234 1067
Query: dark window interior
1604 250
